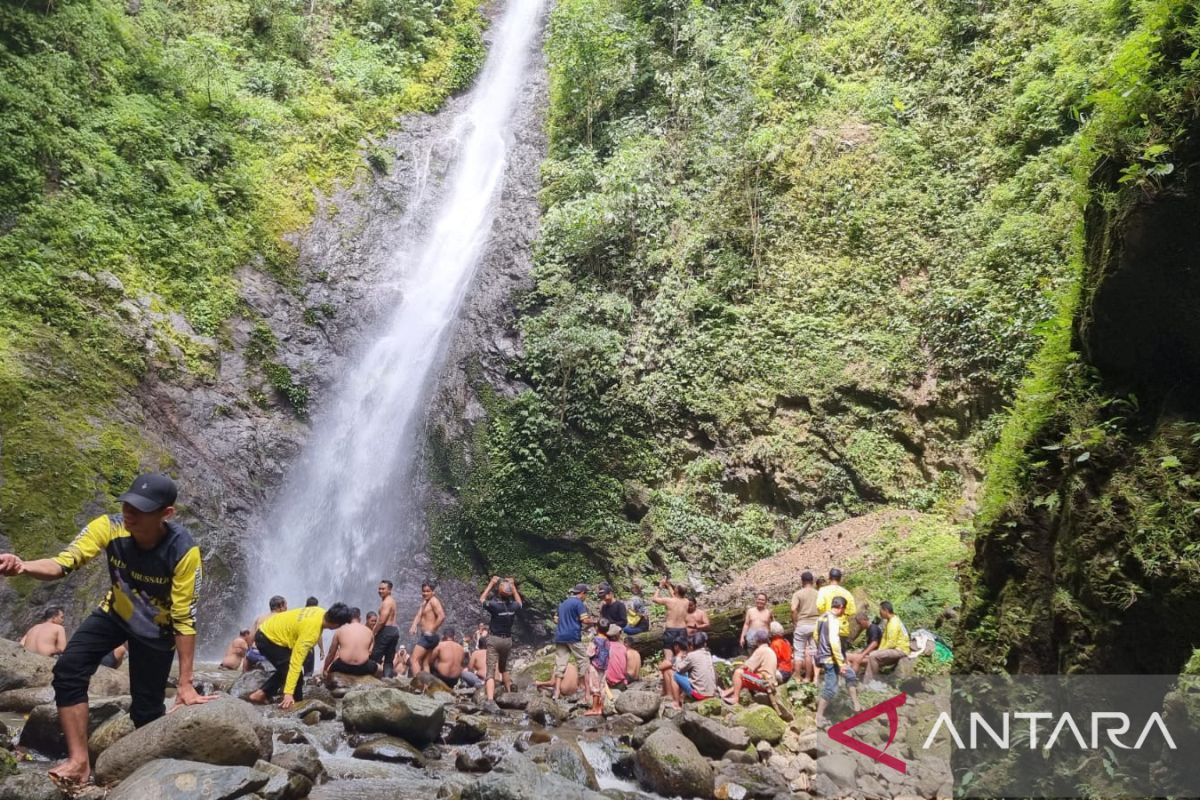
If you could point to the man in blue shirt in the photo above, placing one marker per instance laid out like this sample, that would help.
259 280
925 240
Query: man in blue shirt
568 638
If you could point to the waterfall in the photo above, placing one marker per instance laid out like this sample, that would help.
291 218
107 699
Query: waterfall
347 513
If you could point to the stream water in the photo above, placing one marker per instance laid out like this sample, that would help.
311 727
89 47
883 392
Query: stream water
349 503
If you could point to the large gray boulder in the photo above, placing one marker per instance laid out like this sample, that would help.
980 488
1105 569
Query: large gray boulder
757 781
109 731
249 683
711 737
545 711
43 734
29 786
281 784
391 749
171 779
21 669
669 764
515 777
108 683
224 732
643 705
467 729
415 718
564 758
303 759
477 758
22 701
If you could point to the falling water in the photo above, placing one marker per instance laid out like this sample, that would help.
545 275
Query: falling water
348 506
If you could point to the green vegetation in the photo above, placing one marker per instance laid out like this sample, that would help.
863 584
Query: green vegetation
796 258
148 150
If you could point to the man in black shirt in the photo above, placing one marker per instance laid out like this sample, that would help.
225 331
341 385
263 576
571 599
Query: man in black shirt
612 610
874 637
503 609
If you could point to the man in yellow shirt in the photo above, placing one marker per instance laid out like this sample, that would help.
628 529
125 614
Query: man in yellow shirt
285 640
154 568
835 589
894 646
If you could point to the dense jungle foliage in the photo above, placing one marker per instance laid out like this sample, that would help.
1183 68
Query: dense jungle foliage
796 259
148 149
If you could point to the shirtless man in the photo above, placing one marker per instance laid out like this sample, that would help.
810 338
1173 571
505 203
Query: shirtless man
350 652
758 617
446 659
476 669
697 619
235 654
48 637
429 619
675 625
387 635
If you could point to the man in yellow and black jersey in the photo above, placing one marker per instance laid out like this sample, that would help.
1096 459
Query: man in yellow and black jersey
286 639
155 572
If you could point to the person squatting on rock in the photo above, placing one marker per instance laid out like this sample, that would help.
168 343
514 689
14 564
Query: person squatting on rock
235 653
155 569
503 610
387 635
476 666
894 645
691 674
352 648
287 640
758 674
429 619
48 637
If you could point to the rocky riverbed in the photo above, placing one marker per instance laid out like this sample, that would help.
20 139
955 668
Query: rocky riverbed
415 738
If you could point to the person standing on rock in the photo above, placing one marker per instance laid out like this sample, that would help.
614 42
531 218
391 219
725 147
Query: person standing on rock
287 640
429 619
758 617
804 618
568 638
612 610
835 589
503 610
831 659
48 637
351 651
697 619
675 625
894 647
155 569
387 635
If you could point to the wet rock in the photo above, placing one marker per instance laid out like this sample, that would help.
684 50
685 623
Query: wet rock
527 739
390 749
476 758
108 683
755 780
30 786
669 764
172 779
281 784
293 736
339 683
545 711
643 705
303 760
762 723
467 729
512 701
426 683
22 701
20 669
224 732
585 723
566 759
517 778
712 738
248 683
43 734
839 768
109 731
413 717
639 736
624 724
432 753
307 706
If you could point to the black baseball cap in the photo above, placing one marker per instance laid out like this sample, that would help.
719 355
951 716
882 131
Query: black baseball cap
150 492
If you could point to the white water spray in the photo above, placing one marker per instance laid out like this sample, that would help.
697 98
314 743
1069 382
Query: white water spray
346 514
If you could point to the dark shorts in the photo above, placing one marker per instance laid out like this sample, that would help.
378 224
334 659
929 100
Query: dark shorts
384 651
368 667
428 640
673 635
451 682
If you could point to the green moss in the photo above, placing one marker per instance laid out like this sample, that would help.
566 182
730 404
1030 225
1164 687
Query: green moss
762 723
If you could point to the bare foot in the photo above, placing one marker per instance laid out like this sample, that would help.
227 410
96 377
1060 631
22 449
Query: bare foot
71 774
258 696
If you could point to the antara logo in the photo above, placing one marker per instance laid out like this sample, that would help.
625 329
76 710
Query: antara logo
838 732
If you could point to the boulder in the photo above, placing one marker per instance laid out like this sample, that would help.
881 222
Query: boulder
309 706
301 759
839 768
43 734
224 732
545 711
512 701
476 758
172 779
712 738
281 784
415 718
762 723
20 669
467 729
644 705
740 756
109 731
22 701
756 781
339 683
390 749
108 683
566 759
642 733
515 777
30 786
669 764
249 683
